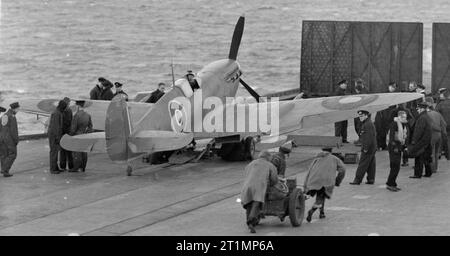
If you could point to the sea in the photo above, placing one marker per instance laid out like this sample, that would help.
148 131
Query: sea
58 48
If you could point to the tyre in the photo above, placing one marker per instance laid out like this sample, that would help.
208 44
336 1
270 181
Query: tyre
250 148
296 207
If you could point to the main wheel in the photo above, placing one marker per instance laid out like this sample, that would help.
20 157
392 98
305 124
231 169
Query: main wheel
250 148
129 170
296 207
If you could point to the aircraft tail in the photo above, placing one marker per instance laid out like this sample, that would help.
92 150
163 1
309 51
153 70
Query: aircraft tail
118 130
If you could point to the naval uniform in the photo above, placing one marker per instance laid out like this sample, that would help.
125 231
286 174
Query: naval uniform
420 147
65 158
9 138
367 163
55 128
81 124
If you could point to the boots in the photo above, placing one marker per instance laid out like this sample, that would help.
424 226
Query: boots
310 213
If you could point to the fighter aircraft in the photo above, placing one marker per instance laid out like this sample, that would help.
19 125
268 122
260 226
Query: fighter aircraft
180 115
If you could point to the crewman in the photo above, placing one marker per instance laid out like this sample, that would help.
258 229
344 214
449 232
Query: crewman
438 130
322 178
55 131
360 88
367 163
107 93
2 109
444 108
383 120
9 138
96 92
190 76
260 175
157 94
398 138
420 147
65 157
410 124
340 128
119 90
279 159
81 124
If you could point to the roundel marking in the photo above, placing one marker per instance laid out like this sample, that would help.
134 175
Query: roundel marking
348 102
178 116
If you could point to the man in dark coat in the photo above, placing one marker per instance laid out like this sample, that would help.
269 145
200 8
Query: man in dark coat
322 178
54 133
157 94
367 137
444 108
359 88
398 137
383 120
340 128
260 175
420 147
65 158
107 93
96 92
438 130
119 90
9 138
81 124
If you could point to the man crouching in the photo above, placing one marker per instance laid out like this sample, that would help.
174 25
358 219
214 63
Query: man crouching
322 178
260 175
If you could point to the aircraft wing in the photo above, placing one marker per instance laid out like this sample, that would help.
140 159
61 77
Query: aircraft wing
297 114
89 142
96 108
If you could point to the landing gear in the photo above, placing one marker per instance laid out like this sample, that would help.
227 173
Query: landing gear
239 151
250 148
129 170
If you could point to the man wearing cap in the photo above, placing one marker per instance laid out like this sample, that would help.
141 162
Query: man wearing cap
260 174
81 124
157 94
322 178
438 130
107 93
191 79
444 108
54 133
119 90
420 147
96 92
359 88
65 157
340 128
9 138
367 137
279 159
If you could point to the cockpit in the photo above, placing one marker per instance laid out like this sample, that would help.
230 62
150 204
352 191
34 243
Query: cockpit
188 85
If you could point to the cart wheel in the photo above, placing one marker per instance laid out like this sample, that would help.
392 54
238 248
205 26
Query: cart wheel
296 207
129 170
250 147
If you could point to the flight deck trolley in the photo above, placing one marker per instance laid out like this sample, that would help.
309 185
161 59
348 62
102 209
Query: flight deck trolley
293 205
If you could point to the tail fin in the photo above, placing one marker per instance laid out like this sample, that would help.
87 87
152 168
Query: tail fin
118 129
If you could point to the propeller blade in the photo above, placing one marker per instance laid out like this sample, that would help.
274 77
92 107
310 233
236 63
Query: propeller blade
237 36
250 90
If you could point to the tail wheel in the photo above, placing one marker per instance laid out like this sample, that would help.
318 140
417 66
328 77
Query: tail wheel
296 207
250 148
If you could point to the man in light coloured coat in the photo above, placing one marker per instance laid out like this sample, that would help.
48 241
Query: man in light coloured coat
322 178
260 175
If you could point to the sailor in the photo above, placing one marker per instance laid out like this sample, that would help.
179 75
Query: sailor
444 108
9 138
279 159
367 136
260 175
398 138
55 131
410 124
2 109
157 94
81 124
420 147
322 178
107 93
65 157
383 120
96 92
340 128
360 88
119 90
190 76
438 130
